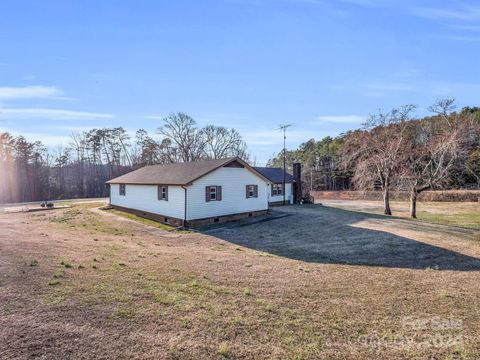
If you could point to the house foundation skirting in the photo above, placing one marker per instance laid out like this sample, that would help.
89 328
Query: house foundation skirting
278 203
224 218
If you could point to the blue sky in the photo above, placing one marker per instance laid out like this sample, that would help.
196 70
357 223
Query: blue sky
323 65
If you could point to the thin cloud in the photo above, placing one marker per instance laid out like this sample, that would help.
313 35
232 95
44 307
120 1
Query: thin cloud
342 119
473 28
436 13
52 114
48 139
30 92
390 86
463 38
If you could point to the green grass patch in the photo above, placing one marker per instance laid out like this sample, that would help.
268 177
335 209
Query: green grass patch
142 220
223 351
460 214
67 216
81 218
125 313
265 305
467 219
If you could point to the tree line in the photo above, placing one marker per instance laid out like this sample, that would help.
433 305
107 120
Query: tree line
392 151
396 151
30 172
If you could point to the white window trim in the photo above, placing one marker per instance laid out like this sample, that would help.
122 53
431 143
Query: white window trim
277 189
213 193
251 191
163 192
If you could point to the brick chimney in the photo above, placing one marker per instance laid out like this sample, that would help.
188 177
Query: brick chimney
297 187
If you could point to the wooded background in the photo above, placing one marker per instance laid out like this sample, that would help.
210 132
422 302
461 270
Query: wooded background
392 151
29 172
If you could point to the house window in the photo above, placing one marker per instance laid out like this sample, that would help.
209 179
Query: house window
251 191
213 193
122 190
163 192
277 189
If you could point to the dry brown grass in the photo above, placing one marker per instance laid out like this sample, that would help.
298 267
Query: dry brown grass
103 287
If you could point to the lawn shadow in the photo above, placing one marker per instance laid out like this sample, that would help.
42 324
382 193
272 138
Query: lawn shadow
329 236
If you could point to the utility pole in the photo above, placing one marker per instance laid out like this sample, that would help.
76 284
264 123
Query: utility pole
283 127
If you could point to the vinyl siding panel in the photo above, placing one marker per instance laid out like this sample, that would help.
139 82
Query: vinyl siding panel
288 194
145 198
233 181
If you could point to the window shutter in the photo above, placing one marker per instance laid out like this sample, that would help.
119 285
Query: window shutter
255 191
166 193
246 191
219 193
159 192
207 193
271 188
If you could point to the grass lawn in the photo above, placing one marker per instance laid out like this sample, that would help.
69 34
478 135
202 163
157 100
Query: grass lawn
461 214
315 283
142 220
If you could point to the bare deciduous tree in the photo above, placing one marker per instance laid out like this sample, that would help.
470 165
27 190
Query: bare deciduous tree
186 142
220 142
435 149
182 131
376 152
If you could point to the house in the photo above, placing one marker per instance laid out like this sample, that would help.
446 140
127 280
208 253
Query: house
193 194
275 186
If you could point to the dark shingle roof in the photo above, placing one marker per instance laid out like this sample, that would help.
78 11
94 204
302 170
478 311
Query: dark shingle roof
275 175
175 174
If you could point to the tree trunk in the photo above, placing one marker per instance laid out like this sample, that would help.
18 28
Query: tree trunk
413 204
386 202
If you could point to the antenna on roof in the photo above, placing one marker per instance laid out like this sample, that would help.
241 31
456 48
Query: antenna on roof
284 127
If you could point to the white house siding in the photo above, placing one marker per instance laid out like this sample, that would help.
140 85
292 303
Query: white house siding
233 181
288 194
145 198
